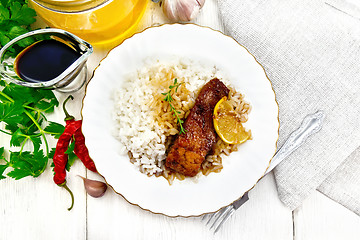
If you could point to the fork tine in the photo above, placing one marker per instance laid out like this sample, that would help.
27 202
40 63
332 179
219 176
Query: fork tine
211 218
228 214
214 216
219 218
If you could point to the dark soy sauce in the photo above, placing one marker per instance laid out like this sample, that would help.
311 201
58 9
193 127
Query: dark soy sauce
44 60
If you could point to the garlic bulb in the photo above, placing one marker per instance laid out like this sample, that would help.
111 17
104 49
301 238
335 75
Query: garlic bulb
182 10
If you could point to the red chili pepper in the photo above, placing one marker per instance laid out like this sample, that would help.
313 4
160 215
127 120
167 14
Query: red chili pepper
81 150
72 129
60 157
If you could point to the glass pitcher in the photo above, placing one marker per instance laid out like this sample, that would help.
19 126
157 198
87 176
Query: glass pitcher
104 23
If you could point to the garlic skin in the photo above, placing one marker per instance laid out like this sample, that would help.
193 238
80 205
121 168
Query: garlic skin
94 188
182 10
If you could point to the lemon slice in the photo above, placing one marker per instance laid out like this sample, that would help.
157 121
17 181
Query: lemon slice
227 123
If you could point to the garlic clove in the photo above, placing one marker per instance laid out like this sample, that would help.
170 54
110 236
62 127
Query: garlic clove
187 10
182 10
168 9
94 188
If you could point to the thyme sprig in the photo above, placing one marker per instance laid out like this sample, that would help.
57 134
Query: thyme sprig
168 98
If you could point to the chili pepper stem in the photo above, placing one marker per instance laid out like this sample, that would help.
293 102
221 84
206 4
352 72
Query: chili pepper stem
71 194
67 115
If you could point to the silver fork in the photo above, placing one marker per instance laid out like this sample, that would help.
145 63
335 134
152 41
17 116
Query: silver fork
310 125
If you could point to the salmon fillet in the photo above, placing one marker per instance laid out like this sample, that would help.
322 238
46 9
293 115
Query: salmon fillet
190 149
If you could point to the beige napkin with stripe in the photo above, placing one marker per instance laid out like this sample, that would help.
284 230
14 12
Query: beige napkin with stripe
310 51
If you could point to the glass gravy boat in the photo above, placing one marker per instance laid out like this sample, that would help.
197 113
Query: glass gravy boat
70 80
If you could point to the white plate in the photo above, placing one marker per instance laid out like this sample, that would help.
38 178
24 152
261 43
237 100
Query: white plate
242 169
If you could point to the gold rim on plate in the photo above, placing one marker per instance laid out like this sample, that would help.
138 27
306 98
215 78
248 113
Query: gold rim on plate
275 147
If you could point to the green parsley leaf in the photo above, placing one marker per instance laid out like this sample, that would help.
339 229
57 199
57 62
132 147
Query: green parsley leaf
2 150
4 3
70 162
28 126
17 138
20 94
16 31
4 14
2 169
22 14
36 140
15 8
27 164
11 113
40 161
71 148
3 39
20 168
46 100
71 156
19 173
51 154
15 19
12 127
55 129
45 106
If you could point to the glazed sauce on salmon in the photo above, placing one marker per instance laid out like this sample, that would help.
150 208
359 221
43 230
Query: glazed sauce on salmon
191 148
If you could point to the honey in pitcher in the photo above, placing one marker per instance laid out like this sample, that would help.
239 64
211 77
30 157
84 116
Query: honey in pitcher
104 23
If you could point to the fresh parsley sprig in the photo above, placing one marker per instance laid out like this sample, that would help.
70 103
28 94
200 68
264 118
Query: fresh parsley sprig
15 19
22 110
168 98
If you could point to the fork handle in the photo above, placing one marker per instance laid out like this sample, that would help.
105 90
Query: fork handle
311 124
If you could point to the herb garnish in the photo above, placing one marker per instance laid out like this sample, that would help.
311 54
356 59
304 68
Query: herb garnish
168 98
22 110
15 19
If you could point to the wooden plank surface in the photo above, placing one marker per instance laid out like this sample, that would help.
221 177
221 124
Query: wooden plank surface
36 208
319 217
112 217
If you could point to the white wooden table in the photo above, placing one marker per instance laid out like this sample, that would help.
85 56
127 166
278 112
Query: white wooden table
37 208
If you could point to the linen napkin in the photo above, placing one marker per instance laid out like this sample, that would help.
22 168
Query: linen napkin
310 51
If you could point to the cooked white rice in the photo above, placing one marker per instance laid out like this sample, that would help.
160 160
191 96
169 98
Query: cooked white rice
135 125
